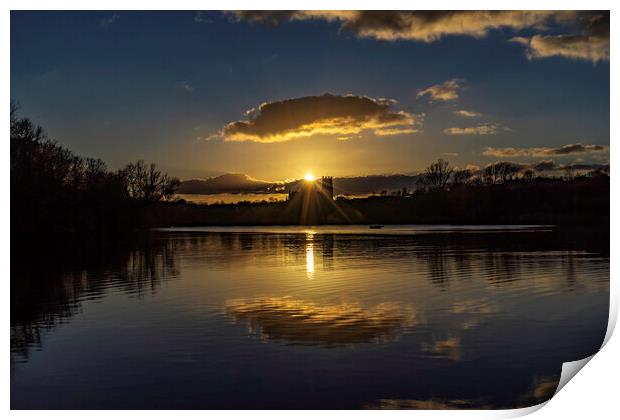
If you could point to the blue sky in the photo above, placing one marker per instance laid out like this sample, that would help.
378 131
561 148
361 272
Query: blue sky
161 86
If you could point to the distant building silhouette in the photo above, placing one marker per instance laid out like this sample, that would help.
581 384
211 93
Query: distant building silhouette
319 189
327 186
311 202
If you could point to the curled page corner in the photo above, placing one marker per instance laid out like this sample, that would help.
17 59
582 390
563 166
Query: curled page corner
520 412
613 314
569 370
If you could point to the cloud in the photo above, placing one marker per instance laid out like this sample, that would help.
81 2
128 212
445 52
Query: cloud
479 130
544 166
447 91
268 17
342 116
569 149
591 43
425 26
577 167
577 47
106 21
467 114
550 165
186 86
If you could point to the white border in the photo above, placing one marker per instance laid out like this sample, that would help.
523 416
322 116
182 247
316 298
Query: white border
592 394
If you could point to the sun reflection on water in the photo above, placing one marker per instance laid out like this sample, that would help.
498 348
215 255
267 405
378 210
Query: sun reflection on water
309 254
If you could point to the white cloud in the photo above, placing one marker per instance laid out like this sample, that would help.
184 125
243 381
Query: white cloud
467 114
446 91
478 130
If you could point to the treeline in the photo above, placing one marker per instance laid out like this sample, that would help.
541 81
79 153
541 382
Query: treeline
583 201
497 194
55 190
440 175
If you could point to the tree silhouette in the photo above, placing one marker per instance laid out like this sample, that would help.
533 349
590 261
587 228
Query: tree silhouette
146 182
437 174
54 189
528 175
462 176
501 172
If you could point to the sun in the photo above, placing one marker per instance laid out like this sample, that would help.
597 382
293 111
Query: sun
309 177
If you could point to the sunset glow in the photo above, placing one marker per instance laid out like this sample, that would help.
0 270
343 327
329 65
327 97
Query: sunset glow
162 175
412 109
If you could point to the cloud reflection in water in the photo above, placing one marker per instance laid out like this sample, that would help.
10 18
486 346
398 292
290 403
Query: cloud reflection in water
304 322
432 404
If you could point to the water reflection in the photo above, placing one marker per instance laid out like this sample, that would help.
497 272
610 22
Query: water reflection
432 404
303 322
309 254
47 293
542 388
449 348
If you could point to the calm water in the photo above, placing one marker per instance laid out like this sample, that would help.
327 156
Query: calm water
332 317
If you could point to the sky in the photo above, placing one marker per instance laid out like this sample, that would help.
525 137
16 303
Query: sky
277 95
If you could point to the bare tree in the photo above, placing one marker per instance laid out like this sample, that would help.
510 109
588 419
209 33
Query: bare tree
437 174
501 172
146 182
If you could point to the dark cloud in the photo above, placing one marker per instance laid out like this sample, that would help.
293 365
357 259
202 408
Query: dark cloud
584 167
426 25
341 116
569 149
590 43
550 165
268 17
512 165
544 166
226 183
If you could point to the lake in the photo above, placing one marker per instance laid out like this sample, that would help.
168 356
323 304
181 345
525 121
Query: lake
229 198
297 317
